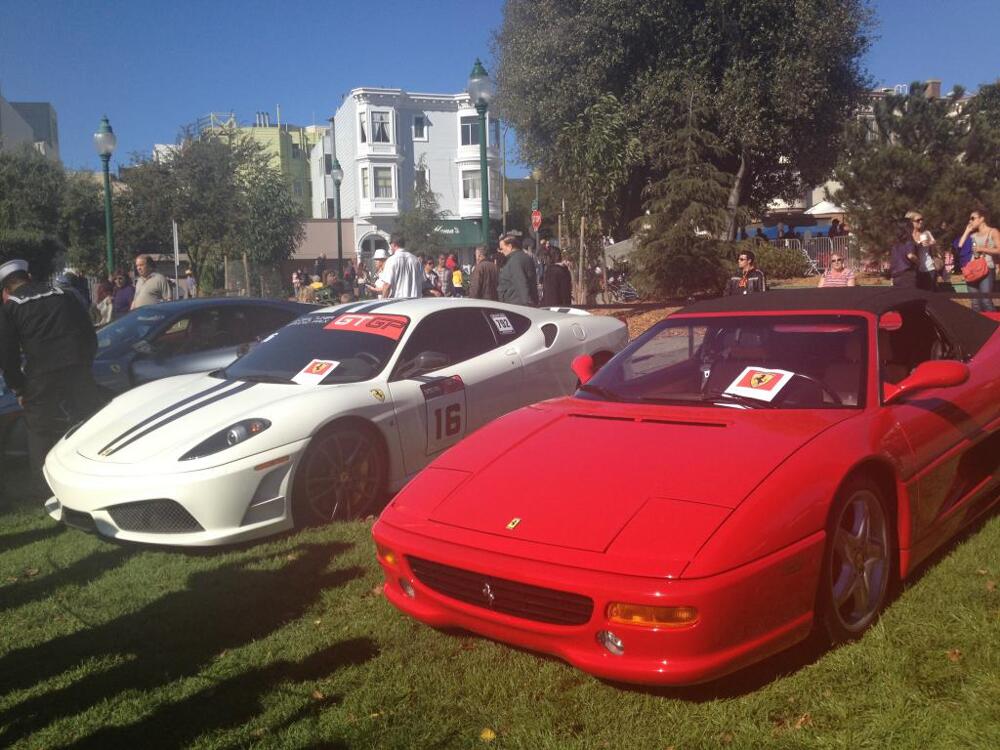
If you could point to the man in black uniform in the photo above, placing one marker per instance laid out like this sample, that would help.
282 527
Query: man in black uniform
52 331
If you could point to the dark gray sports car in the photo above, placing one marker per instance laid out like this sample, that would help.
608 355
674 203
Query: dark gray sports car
175 338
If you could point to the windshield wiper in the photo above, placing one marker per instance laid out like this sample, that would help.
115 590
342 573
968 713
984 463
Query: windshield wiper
260 378
666 401
600 391
753 403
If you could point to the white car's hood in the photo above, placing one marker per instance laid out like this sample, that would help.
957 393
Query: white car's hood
167 418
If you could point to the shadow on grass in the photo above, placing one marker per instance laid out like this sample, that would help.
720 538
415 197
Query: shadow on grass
10 542
81 572
171 638
233 702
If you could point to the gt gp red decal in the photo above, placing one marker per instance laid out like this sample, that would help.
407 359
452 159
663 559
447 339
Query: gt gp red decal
390 326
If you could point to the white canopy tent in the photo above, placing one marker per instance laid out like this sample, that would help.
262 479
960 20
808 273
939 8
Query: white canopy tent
825 208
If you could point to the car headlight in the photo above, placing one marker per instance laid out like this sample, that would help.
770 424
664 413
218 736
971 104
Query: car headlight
232 435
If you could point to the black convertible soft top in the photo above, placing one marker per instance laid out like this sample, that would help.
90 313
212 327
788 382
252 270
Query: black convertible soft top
968 329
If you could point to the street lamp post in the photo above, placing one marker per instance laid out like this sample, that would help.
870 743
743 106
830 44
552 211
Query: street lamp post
337 173
104 143
481 92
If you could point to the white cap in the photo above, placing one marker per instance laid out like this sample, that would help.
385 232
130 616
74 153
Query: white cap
10 267
380 254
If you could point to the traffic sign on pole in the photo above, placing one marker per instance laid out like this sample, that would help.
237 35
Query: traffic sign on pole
536 220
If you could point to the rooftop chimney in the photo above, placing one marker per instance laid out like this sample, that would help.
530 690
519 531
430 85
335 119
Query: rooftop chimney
933 90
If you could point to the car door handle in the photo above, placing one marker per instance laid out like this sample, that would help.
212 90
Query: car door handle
511 352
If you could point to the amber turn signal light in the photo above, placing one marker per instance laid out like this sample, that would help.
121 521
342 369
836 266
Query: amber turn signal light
651 617
386 554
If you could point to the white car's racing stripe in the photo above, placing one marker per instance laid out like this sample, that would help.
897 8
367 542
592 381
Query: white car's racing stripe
171 412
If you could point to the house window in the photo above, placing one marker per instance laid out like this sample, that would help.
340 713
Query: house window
331 208
495 133
470 185
362 131
381 127
364 182
296 188
419 128
470 131
383 181
296 151
420 179
327 163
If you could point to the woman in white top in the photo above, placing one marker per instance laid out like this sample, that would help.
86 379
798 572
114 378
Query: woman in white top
924 240
985 244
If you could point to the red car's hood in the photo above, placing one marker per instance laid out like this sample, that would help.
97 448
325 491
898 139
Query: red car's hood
615 480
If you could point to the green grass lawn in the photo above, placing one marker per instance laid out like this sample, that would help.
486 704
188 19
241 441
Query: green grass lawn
289 644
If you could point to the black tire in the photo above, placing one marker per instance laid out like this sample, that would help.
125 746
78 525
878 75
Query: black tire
341 476
859 563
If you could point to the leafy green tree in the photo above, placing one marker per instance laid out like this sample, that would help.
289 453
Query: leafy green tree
419 223
30 194
596 154
226 197
273 225
81 223
935 155
783 79
143 210
678 240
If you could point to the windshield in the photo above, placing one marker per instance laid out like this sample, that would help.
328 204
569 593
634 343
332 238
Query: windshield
128 329
322 349
787 362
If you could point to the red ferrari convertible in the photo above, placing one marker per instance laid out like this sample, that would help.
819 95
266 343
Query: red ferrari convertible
745 471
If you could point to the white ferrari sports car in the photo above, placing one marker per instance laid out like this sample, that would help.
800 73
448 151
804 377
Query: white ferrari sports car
316 422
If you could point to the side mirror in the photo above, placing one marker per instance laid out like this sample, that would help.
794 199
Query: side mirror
428 362
583 366
890 321
144 348
243 349
941 373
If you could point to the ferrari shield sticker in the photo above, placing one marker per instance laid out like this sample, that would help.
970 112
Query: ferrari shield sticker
315 371
390 326
502 322
760 383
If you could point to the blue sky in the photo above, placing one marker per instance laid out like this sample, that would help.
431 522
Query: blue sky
153 66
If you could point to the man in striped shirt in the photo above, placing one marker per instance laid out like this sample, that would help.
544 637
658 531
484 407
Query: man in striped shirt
837 274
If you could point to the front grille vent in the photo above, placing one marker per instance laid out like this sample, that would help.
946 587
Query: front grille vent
646 420
154 517
503 595
78 520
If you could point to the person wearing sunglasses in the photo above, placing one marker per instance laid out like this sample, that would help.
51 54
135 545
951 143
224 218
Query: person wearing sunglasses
749 278
927 262
985 246
838 274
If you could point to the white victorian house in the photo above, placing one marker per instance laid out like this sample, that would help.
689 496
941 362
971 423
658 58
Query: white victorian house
388 141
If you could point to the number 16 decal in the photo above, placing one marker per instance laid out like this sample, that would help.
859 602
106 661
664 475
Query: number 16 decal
445 403
448 421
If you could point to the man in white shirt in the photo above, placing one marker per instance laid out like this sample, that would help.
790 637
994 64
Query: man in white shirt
402 276
150 287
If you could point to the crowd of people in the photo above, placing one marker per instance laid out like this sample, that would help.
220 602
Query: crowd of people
917 260
117 294
517 273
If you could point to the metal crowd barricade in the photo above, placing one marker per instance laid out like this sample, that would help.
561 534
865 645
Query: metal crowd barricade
796 245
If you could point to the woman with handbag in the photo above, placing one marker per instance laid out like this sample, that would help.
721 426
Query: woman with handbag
979 273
